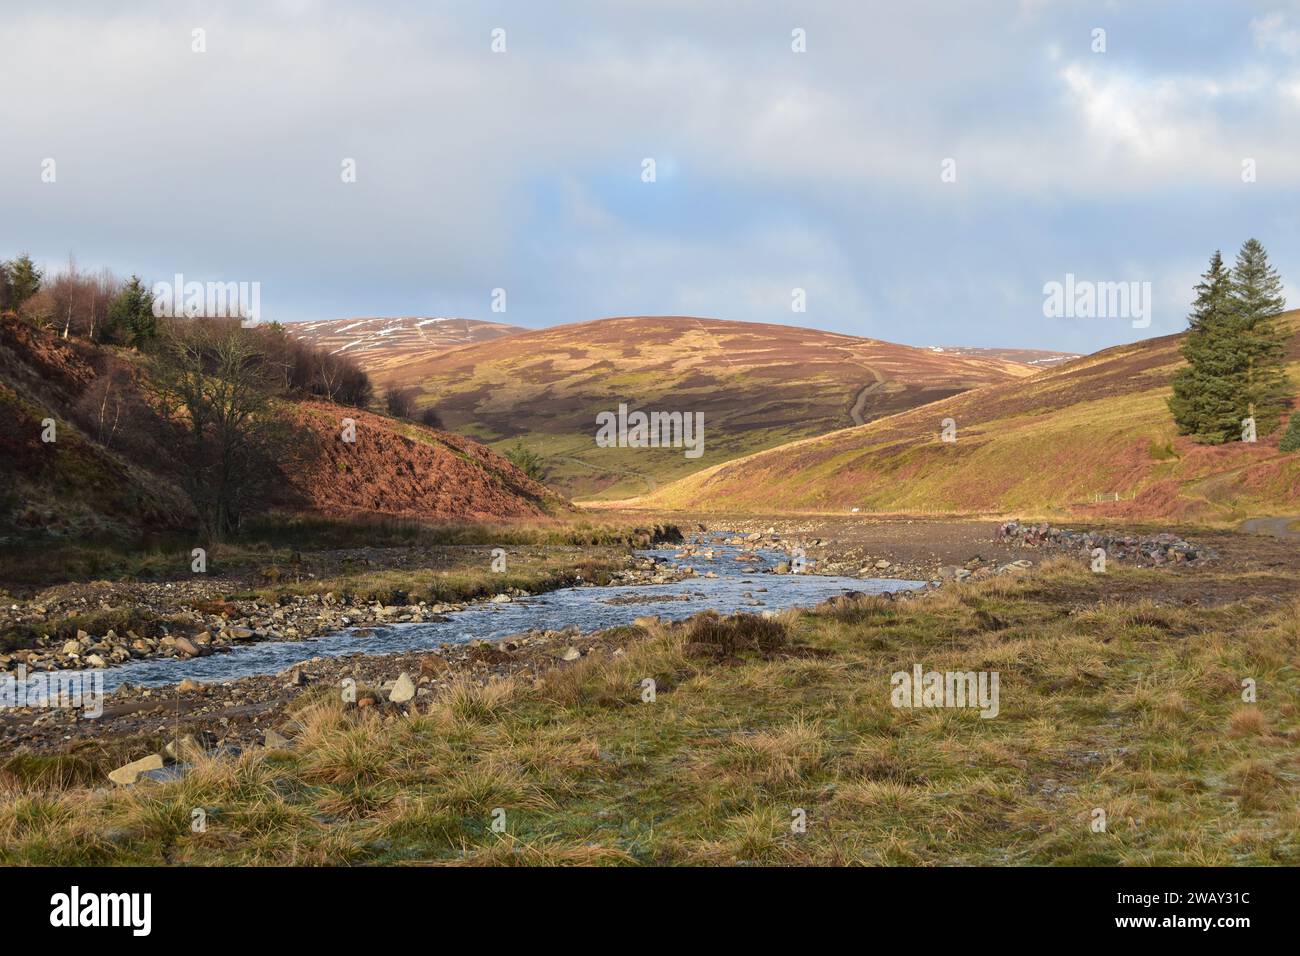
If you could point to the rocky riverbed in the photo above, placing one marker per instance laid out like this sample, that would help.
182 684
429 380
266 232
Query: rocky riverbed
196 618
1144 550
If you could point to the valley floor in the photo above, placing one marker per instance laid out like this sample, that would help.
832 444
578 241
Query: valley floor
775 740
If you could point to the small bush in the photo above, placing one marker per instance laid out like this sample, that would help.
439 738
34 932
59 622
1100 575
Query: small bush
529 462
712 635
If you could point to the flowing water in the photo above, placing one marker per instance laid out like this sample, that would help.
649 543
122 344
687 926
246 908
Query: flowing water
738 587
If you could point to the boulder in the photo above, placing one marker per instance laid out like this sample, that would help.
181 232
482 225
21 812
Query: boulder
184 747
274 740
127 775
403 689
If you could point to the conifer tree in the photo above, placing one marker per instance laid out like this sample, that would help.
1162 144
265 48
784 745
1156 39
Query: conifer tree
22 280
1257 301
1209 399
1291 440
130 315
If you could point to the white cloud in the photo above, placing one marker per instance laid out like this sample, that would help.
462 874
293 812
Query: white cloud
1276 32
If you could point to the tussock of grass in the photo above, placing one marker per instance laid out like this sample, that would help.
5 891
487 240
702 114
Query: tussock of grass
1134 709
711 635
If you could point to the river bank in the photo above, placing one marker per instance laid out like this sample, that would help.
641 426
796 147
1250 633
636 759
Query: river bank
700 741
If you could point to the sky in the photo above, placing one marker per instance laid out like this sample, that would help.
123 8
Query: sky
920 170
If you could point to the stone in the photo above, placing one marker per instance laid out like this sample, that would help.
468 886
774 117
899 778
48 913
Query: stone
128 774
403 689
501 599
186 647
94 660
165 774
184 747
72 649
570 654
274 740
882 564
189 685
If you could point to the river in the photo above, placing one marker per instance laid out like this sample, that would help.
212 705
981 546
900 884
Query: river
739 586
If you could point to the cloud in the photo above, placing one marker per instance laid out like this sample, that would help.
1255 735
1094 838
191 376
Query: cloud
1276 32
776 169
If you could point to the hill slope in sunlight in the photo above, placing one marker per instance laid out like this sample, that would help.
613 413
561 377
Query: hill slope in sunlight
757 385
105 474
1059 443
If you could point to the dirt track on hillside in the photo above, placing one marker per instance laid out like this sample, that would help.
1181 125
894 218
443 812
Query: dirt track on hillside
1277 527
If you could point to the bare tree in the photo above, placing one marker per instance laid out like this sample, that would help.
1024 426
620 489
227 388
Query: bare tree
214 385
400 401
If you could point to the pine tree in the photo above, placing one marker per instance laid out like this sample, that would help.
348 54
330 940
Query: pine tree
1291 440
1209 399
1257 301
130 315
22 280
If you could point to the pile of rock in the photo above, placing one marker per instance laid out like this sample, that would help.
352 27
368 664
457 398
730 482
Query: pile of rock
1153 550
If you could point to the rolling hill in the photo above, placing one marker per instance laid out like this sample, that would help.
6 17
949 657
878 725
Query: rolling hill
1065 441
378 343
757 386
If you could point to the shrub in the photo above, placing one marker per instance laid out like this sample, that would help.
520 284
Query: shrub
529 462
1291 440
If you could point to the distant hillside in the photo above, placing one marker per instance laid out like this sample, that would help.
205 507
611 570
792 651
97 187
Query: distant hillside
1058 443
383 343
1036 358
757 385
105 473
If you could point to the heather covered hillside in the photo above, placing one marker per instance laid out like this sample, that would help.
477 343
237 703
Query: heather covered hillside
757 385
1066 441
96 441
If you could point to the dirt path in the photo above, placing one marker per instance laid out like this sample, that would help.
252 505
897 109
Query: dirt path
860 402
1277 527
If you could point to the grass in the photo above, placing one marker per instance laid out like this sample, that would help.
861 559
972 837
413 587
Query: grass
1099 425
268 541
458 576
1132 708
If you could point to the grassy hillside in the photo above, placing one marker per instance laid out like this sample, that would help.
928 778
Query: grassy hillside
1053 444
757 385
109 474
